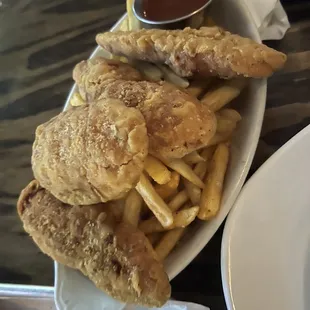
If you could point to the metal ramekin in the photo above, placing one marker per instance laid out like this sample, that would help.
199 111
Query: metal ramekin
193 20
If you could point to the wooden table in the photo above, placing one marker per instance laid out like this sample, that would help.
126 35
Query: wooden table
40 42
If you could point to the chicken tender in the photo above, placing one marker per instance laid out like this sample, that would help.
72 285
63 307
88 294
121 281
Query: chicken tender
208 51
92 153
118 258
177 123
89 74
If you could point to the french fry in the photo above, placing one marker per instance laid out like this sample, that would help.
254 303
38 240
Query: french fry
167 190
168 242
201 169
154 237
124 26
212 193
105 54
220 138
151 250
132 210
124 59
185 217
133 22
225 125
193 191
187 205
181 219
76 100
197 87
157 170
152 225
193 158
113 57
178 200
227 120
154 201
228 90
150 71
171 77
206 153
230 114
185 170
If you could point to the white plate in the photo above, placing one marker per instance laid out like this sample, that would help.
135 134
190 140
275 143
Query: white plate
266 242
234 16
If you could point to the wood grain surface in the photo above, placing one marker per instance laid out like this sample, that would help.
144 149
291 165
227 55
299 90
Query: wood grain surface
40 41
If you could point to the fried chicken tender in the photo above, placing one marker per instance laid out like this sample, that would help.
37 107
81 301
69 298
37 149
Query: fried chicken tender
118 258
176 122
89 74
92 153
208 51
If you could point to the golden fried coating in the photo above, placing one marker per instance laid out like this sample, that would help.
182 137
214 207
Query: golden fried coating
90 154
176 122
208 51
116 257
99 69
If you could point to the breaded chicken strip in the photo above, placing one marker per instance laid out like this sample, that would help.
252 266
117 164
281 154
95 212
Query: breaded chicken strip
89 74
116 257
208 51
176 122
90 154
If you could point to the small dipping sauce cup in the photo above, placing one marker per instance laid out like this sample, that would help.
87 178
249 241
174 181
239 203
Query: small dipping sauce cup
171 14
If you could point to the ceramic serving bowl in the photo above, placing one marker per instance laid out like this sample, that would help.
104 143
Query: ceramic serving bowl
74 289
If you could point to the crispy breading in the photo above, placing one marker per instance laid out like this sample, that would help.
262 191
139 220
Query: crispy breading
90 154
208 51
118 258
90 74
176 122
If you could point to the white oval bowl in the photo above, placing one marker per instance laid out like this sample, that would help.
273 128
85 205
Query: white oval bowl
234 16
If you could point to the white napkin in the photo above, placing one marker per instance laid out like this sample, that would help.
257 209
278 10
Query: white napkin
269 17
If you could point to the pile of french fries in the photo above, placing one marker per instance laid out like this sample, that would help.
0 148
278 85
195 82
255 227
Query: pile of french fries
171 194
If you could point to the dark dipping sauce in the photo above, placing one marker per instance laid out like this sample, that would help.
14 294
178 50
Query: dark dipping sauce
160 10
